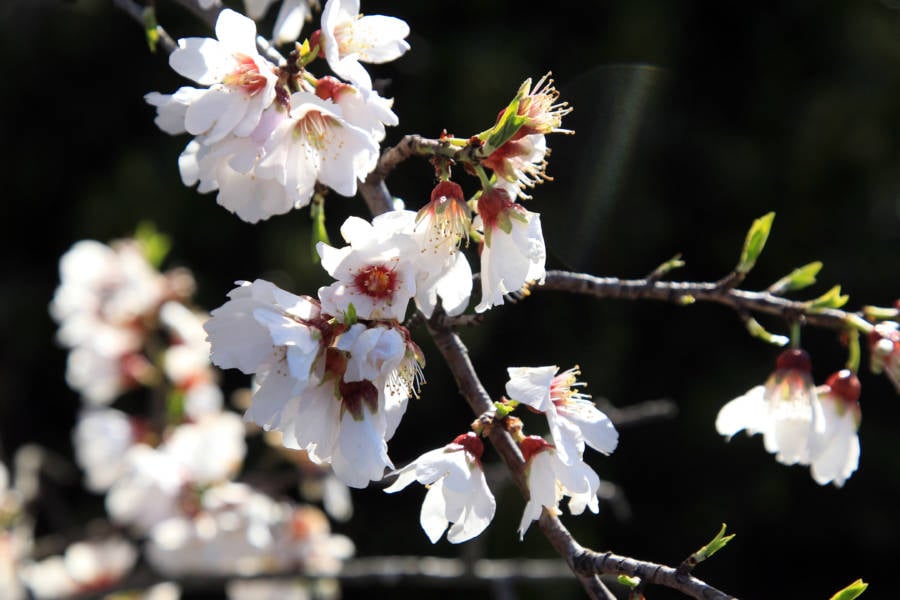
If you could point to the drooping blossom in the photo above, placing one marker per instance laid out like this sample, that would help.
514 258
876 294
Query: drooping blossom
241 82
348 38
573 419
520 162
514 253
785 410
457 490
835 454
549 480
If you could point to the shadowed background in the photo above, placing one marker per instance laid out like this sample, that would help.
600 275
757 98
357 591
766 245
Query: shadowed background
692 119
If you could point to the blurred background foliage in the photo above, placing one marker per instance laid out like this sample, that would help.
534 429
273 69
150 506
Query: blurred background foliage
692 119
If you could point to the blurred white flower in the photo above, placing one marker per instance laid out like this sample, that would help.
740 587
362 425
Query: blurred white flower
101 439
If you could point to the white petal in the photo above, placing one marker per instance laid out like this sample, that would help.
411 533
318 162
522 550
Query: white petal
479 511
749 412
433 515
531 386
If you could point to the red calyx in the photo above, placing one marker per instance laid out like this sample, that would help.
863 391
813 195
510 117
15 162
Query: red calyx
531 445
471 443
794 359
845 385
491 203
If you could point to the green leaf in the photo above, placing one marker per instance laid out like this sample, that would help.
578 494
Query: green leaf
854 590
628 581
758 331
319 232
150 28
350 316
756 240
797 279
830 299
508 124
154 245
714 545
504 409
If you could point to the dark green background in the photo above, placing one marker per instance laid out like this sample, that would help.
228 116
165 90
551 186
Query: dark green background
692 119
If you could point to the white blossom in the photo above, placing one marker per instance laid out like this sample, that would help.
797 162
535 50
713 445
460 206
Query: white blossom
457 490
549 480
272 333
350 38
835 452
573 419
241 82
514 253
376 272
101 439
785 411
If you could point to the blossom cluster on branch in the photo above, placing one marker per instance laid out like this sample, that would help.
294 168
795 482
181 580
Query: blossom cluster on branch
333 370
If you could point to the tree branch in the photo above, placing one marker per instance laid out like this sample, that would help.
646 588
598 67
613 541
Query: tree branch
680 292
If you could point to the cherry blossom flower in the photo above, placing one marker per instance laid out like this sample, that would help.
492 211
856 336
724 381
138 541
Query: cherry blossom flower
361 107
572 417
272 333
885 350
514 253
186 360
85 567
785 410
457 490
237 530
349 38
836 444
541 108
101 439
520 162
147 491
106 297
549 479
375 273
241 82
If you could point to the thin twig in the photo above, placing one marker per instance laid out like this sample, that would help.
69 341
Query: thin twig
683 292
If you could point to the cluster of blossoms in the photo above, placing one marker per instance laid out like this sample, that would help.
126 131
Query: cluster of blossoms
267 134
334 373
168 475
800 422
457 490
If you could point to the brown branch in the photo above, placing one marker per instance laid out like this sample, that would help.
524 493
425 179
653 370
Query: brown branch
679 292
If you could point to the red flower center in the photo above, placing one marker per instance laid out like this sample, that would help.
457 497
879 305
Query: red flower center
376 281
246 76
